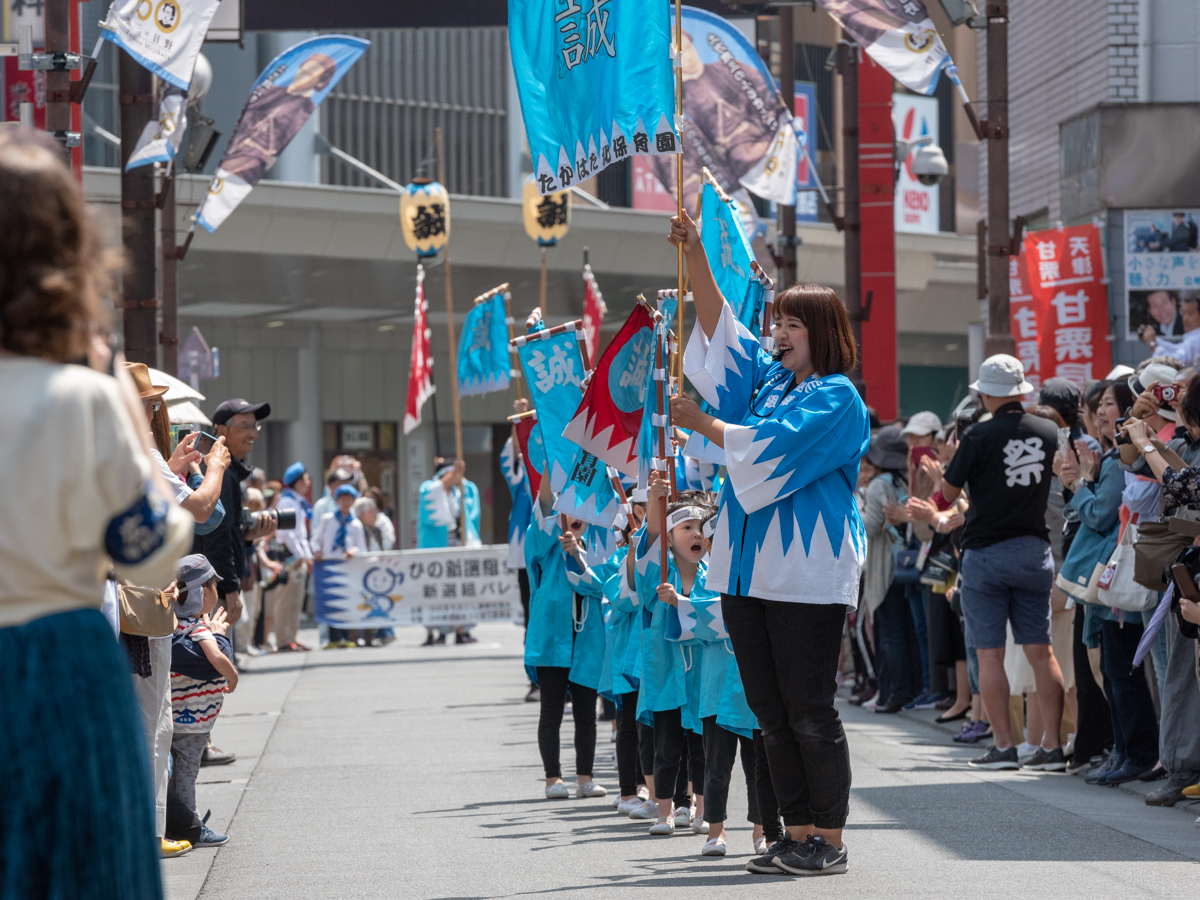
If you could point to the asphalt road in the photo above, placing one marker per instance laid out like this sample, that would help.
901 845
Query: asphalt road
414 772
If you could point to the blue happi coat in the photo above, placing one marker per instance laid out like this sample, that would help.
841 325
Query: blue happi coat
624 624
439 510
557 635
789 528
671 659
721 691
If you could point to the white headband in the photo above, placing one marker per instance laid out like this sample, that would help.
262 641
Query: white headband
709 528
684 514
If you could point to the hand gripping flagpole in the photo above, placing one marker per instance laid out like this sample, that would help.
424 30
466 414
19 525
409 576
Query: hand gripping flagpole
458 444
679 187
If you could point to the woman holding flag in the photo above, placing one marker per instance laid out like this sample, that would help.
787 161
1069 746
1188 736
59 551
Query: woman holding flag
788 546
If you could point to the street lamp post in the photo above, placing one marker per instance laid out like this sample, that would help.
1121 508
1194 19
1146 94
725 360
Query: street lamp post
999 337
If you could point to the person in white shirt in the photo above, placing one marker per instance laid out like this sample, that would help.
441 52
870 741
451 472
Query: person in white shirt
288 597
339 535
337 477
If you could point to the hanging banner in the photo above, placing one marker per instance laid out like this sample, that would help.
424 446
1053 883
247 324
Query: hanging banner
595 82
420 361
594 311
1161 263
804 98
286 93
443 587
553 369
916 204
533 452
899 36
163 35
163 135
732 110
1066 314
729 257
483 360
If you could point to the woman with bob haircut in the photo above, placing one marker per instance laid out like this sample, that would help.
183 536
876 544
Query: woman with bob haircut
789 543
81 496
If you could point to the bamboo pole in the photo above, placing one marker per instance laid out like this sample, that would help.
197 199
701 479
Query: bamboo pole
458 444
542 288
659 390
679 189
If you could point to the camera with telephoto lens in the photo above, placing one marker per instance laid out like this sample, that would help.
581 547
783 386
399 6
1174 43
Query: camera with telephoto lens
285 519
1165 393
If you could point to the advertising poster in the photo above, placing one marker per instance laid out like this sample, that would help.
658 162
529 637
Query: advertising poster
1161 263
808 201
916 204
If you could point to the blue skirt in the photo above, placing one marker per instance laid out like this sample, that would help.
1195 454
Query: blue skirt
77 808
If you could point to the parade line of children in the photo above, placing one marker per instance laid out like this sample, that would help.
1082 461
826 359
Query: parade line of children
603 621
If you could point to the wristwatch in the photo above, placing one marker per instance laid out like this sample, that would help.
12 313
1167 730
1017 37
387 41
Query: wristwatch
1149 448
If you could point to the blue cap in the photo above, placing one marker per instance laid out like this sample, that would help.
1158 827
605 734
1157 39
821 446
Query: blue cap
345 489
191 574
293 472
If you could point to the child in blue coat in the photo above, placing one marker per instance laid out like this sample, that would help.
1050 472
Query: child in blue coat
564 643
671 663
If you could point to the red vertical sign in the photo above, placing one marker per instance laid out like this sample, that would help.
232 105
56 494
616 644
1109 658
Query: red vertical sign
876 172
1060 316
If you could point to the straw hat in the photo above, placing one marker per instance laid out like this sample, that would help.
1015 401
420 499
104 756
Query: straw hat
141 377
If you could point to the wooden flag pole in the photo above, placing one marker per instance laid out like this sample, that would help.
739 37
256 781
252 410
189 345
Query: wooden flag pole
679 191
458 444
542 288
516 369
659 392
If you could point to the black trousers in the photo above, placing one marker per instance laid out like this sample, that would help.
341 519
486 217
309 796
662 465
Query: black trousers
788 656
764 792
1093 731
896 635
523 584
1135 727
720 747
690 759
554 686
629 766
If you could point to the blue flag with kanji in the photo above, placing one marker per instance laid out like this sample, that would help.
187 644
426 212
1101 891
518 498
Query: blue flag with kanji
483 361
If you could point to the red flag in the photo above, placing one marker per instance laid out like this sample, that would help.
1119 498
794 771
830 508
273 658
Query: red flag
524 432
593 313
420 363
1066 312
609 418
1024 319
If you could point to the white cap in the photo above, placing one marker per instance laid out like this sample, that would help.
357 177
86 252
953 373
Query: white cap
1153 374
1002 376
1119 371
923 423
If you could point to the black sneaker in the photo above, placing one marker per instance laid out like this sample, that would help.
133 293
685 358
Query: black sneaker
997 759
1047 760
1096 773
816 856
765 864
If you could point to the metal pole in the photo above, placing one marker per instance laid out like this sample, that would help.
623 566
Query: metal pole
169 335
999 337
458 445
787 82
847 60
57 15
138 295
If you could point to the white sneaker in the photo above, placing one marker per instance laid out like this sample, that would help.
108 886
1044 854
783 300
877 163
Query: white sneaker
761 846
591 789
557 791
699 826
643 792
647 810
683 816
1025 752
625 807
715 847
1068 748
612 738
616 801
870 705
663 826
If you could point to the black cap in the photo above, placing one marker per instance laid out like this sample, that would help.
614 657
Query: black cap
1062 396
236 407
889 449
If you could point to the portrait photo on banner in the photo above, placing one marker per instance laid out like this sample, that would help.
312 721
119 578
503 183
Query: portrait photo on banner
1162 267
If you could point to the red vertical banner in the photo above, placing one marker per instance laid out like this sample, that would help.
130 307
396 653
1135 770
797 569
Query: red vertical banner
1024 319
876 172
1070 302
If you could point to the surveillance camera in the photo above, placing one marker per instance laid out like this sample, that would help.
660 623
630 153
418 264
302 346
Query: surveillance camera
929 164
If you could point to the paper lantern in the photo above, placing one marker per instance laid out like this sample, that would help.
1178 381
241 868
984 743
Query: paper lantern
547 218
425 216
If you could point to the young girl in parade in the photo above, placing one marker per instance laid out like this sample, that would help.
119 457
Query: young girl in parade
671 665
564 643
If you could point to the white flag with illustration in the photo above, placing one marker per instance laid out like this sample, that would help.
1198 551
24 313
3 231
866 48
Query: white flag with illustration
162 35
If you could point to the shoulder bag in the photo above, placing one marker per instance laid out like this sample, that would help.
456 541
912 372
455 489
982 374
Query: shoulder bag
1117 588
145 611
1154 549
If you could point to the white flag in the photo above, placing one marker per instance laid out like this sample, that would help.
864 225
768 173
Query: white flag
163 135
774 176
162 35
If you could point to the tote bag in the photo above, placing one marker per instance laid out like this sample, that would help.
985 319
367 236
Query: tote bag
1117 587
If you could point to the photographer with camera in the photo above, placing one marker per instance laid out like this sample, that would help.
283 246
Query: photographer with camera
237 421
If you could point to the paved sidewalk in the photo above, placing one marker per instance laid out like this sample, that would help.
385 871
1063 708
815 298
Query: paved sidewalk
410 772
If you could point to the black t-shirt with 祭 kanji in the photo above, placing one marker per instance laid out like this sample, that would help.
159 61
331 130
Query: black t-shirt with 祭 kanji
1004 463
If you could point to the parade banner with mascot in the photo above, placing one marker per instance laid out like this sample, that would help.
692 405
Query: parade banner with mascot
287 92
435 588
162 35
595 82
